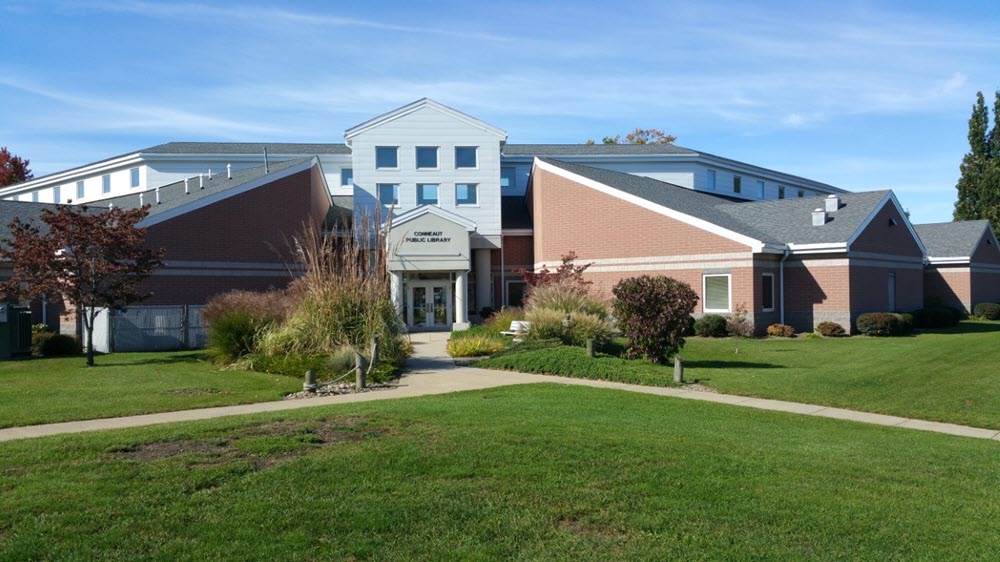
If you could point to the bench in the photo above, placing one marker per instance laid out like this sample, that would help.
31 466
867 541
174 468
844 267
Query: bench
517 328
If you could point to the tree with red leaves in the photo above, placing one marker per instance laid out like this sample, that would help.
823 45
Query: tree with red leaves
567 274
13 169
95 259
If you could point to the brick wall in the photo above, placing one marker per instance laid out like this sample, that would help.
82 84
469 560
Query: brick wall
817 290
950 284
882 238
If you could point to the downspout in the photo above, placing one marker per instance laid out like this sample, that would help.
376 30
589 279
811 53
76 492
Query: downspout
503 276
781 285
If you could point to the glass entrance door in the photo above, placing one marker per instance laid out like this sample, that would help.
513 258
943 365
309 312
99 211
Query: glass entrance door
428 305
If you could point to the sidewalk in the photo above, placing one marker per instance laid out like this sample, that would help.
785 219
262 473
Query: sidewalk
432 372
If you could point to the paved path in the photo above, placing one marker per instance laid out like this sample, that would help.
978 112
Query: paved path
432 372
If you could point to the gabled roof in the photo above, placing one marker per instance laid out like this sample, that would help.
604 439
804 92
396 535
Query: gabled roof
420 104
280 148
952 239
436 211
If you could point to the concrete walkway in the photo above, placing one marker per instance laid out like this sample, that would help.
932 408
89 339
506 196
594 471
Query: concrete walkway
431 371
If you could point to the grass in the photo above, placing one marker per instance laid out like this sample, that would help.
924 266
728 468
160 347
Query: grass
54 390
540 472
949 376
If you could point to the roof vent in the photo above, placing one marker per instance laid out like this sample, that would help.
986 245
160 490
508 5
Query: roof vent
140 199
187 189
209 173
832 203
157 195
229 171
819 217
201 181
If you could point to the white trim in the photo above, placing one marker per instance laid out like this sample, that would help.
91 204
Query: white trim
415 106
518 232
466 168
704 294
949 260
890 196
231 192
395 168
757 246
71 175
434 210
762 309
437 159
653 259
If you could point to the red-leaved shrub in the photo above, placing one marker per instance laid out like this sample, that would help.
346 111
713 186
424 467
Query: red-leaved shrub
653 313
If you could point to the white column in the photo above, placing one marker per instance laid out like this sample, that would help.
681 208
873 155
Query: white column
461 292
484 285
396 286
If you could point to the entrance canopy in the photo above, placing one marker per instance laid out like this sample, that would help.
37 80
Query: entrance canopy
429 238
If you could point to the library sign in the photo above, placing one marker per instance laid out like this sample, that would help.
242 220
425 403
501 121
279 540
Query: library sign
429 243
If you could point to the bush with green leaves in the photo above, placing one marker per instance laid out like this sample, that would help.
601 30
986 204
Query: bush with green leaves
236 320
831 329
936 317
476 346
710 326
569 328
654 313
501 320
780 331
51 344
880 324
988 310
566 299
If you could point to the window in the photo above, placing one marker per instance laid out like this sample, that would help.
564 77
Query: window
802 193
427 194
781 192
386 156
80 192
515 293
388 194
34 197
105 183
710 184
347 176
737 184
466 194
57 194
508 178
716 292
427 157
465 157
134 177
767 292
760 188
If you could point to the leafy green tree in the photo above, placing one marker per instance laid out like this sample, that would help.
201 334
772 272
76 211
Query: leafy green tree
979 185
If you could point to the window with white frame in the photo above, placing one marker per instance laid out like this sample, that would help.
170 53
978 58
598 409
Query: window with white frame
767 292
387 157
106 183
427 157
388 194
347 176
710 182
133 176
466 194
716 292
465 157
80 191
427 194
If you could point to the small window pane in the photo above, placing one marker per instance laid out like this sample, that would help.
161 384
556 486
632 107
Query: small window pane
388 193
717 293
427 157
386 156
106 184
134 177
465 157
802 193
737 184
767 292
427 194
79 190
508 178
346 176
466 194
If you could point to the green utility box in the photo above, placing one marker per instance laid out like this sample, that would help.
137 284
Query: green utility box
15 331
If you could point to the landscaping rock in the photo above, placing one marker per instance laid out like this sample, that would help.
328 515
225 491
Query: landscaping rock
335 389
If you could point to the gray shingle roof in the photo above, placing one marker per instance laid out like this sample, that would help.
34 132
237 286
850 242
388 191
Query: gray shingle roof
304 149
951 239
21 209
542 150
775 222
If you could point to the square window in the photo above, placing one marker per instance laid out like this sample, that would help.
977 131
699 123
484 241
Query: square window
134 177
346 176
767 292
57 194
716 293
105 183
508 178
802 193
466 194
80 192
386 156
737 184
710 184
465 157
388 194
427 157
427 194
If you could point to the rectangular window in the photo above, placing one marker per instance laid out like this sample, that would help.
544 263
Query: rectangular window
781 192
716 292
767 292
388 194
802 193
427 194
710 183
105 183
508 178
34 197
465 157
515 293
892 291
57 194
466 194
133 177
427 157
760 188
386 156
80 191
347 176
737 184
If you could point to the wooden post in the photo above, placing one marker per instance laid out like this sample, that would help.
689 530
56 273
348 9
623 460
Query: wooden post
375 353
310 384
678 369
359 371
590 347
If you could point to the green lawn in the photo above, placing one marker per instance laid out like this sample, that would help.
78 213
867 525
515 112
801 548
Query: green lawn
539 472
951 376
53 390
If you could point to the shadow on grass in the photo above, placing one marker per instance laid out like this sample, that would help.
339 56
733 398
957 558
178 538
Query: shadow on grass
175 359
967 327
716 364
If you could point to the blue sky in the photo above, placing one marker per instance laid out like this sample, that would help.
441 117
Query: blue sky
862 95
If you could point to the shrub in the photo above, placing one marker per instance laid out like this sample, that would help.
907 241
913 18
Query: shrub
831 329
59 345
548 324
233 335
270 306
500 321
813 336
485 312
710 326
476 346
937 317
988 310
654 314
780 330
880 324
584 326
689 327
565 299
38 339
908 321
39 328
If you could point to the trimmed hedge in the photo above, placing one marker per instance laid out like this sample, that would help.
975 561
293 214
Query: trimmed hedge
710 326
987 310
780 331
880 324
654 313
831 329
937 317
58 345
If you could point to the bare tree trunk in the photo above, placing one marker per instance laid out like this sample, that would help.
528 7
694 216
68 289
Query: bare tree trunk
89 327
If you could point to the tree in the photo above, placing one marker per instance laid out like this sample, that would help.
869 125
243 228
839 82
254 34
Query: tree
639 136
738 325
13 169
653 313
93 259
979 185
567 274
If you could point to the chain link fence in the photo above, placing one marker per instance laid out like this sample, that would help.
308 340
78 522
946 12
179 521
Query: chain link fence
156 328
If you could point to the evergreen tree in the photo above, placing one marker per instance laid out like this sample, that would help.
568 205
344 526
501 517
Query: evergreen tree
979 185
